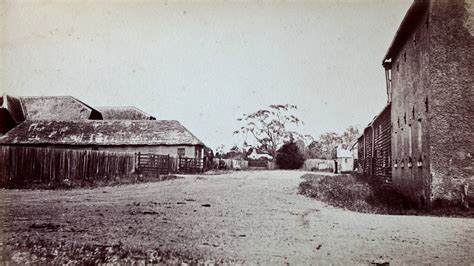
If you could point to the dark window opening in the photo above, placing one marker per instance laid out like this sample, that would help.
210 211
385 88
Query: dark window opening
181 152
426 104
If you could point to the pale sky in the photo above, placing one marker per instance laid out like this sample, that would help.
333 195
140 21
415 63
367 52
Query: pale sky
205 64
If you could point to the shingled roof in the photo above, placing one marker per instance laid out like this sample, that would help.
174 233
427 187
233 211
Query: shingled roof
57 108
123 113
100 132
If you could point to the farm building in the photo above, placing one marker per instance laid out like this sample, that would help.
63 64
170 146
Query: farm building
374 147
166 137
66 122
254 155
326 165
61 138
344 161
429 72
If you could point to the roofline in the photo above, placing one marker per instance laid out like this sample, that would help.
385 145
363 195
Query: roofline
92 109
91 144
200 141
406 27
373 120
43 142
124 107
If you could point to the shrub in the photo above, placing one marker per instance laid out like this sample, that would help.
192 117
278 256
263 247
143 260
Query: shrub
289 156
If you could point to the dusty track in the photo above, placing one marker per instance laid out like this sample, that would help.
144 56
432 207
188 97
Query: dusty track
249 217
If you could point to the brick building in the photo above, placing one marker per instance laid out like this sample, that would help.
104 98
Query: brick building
429 68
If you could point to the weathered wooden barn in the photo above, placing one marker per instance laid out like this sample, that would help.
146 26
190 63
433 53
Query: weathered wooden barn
374 148
166 137
429 70
59 140
66 122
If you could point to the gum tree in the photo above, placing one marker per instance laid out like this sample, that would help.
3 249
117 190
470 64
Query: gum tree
269 127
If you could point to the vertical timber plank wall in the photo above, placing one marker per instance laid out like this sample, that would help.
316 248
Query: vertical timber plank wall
24 166
382 146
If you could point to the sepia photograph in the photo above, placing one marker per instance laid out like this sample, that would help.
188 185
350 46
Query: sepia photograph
236 132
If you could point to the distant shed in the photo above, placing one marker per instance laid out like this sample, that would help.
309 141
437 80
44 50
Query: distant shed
345 160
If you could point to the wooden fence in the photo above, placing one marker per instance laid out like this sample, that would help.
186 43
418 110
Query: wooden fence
190 165
258 163
23 166
156 164
152 164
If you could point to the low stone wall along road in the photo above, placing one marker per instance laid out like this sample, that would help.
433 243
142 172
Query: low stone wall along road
248 217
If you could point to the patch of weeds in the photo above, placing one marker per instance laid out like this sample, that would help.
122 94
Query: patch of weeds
70 252
67 184
364 195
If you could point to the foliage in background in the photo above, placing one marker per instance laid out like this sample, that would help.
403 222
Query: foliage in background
349 137
269 127
326 145
289 156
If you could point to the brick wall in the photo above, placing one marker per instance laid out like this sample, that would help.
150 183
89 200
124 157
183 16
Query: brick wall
410 134
451 97
432 110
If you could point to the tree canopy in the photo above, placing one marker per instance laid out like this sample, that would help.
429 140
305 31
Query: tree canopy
269 127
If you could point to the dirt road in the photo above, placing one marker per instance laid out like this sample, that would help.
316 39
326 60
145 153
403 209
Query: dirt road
243 216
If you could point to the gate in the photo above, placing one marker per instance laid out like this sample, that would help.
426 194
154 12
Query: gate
190 165
152 164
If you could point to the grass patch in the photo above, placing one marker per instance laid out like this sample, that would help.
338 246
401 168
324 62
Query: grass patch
91 182
40 252
358 194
